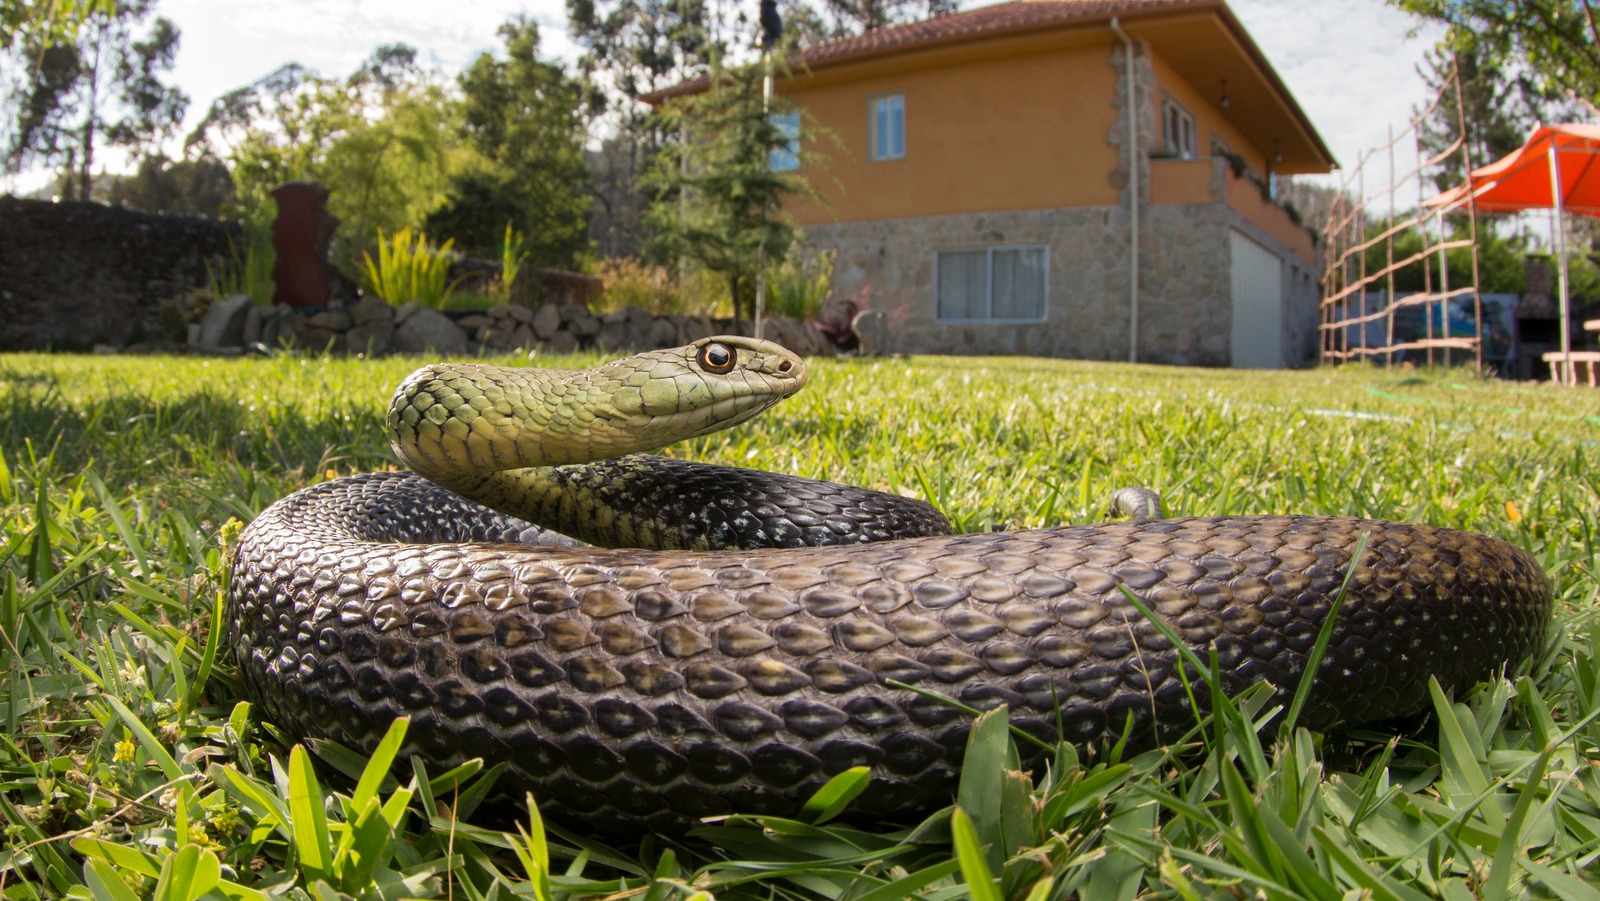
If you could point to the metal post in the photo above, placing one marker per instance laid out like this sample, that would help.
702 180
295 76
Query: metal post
1568 377
761 250
1131 108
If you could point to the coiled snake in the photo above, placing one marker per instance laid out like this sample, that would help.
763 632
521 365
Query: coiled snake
645 688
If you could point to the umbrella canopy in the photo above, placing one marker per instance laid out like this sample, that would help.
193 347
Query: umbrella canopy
1521 179
1560 156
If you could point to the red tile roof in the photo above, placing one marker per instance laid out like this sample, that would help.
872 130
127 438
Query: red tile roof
988 21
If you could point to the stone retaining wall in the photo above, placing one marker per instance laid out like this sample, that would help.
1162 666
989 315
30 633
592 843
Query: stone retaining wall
372 327
74 275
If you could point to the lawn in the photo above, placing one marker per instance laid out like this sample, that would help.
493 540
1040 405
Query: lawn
132 768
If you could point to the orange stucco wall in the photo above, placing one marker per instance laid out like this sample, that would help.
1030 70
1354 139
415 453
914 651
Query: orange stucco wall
1024 129
1200 101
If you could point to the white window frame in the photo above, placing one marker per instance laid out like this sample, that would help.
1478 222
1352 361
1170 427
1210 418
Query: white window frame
1178 128
787 157
890 151
1044 300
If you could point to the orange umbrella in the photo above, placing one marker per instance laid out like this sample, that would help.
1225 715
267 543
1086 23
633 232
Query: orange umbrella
1562 155
1521 179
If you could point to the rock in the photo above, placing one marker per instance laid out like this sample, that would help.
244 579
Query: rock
254 319
872 331
559 343
312 336
546 322
374 338
581 325
470 324
332 320
223 323
522 338
663 332
616 336
404 311
520 314
369 308
500 334
428 330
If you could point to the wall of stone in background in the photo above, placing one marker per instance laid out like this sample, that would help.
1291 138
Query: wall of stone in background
74 275
371 327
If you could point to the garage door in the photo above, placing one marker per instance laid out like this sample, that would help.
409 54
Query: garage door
1257 305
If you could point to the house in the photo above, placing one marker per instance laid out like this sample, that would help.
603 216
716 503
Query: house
978 185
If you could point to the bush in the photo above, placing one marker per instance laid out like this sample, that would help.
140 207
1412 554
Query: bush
249 266
410 269
631 282
800 285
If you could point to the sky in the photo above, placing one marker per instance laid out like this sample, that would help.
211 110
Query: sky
1351 64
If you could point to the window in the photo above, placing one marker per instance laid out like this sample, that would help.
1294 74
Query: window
787 157
888 128
1178 128
997 284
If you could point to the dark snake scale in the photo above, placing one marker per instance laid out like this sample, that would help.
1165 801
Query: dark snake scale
633 689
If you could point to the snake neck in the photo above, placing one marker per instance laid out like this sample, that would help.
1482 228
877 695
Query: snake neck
596 504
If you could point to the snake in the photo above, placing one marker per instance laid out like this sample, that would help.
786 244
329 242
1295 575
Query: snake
642 642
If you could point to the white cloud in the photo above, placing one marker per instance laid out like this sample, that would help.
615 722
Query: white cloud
1351 65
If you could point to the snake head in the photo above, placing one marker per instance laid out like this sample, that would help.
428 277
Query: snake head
669 395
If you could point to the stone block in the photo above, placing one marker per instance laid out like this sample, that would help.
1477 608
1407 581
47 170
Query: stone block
223 322
426 330
546 322
374 338
369 308
559 343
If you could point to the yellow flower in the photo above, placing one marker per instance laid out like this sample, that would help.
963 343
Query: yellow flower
1512 513
124 751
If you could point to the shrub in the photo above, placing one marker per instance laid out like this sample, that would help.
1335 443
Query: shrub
249 266
409 268
631 282
799 286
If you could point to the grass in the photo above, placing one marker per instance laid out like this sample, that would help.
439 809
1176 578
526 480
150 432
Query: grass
131 768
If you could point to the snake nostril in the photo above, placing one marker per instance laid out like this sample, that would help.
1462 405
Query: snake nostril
785 366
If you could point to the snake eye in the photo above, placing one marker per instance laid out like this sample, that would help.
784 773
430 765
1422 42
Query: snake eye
716 358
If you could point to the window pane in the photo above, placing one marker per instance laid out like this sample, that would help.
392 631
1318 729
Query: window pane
1019 283
963 285
888 140
787 158
897 126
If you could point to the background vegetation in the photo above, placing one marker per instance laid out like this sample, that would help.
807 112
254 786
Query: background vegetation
130 767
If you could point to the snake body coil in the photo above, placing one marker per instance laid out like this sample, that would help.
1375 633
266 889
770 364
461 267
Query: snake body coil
650 687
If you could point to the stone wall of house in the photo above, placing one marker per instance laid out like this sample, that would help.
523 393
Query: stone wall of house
1185 282
74 275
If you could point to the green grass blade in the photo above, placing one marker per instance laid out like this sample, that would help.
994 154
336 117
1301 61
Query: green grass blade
970 853
308 821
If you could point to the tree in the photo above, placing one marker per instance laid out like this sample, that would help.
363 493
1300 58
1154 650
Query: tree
846 18
1501 106
42 25
385 140
631 48
716 199
199 187
521 115
1556 40
64 104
